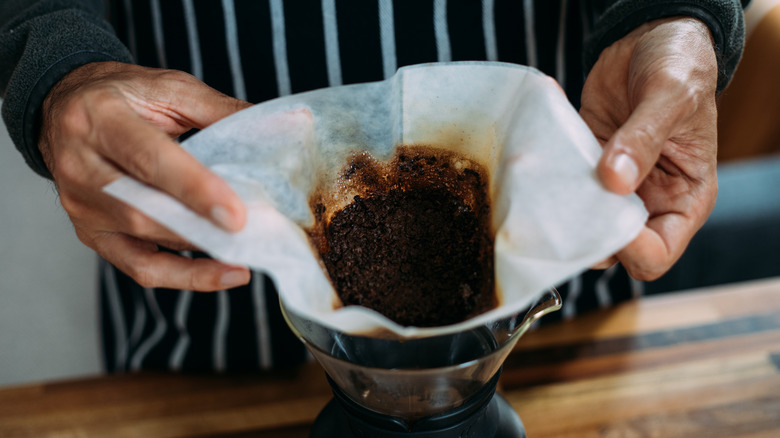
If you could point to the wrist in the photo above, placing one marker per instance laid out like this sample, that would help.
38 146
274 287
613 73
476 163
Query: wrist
58 96
723 19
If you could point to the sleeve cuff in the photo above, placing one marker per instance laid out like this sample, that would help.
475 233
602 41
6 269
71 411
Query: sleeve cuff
40 46
34 101
726 25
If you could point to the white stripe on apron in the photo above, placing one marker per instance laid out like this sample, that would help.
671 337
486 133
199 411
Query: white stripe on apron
220 331
139 321
530 33
569 309
160 326
280 48
332 54
117 315
196 62
602 287
489 28
441 31
560 49
637 287
387 37
234 55
180 319
129 22
264 338
157 31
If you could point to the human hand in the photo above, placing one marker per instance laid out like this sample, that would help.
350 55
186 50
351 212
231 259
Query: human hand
650 100
105 120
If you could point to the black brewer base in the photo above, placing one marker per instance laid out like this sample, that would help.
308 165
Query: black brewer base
486 415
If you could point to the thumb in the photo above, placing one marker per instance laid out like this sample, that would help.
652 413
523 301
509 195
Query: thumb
633 150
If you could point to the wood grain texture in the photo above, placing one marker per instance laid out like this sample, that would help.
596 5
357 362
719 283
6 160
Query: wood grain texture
704 363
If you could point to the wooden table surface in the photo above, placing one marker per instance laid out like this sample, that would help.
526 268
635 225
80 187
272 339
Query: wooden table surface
703 363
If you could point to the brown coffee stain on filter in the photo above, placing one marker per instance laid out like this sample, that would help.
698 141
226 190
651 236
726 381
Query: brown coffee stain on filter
410 237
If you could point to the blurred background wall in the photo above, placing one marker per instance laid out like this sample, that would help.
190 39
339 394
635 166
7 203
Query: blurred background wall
48 280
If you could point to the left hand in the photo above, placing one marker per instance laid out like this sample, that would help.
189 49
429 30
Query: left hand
105 120
650 100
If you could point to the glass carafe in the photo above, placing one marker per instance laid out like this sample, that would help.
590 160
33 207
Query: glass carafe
414 378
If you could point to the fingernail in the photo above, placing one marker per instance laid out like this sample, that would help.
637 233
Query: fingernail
626 169
232 278
221 216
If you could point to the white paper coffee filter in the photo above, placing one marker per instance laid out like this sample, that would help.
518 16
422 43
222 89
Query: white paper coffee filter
552 216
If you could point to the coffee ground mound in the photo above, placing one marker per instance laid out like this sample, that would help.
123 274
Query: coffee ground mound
412 248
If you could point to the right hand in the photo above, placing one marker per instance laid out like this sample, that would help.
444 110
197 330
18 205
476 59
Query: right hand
105 120
650 100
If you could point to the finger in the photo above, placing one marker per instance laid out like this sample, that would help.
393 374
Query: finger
165 96
606 263
146 153
657 247
198 103
632 152
107 214
150 267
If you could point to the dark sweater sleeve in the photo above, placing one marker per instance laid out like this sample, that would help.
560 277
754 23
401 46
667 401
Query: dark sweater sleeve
725 19
40 42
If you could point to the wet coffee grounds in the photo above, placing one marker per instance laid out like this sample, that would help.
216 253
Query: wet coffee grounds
416 245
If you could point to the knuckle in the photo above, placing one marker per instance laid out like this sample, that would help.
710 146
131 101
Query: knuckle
86 238
194 190
204 276
101 99
646 272
143 279
683 88
67 168
144 164
689 99
71 205
200 278
177 78
76 117
72 118
136 223
143 273
139 262
196 282
646 134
